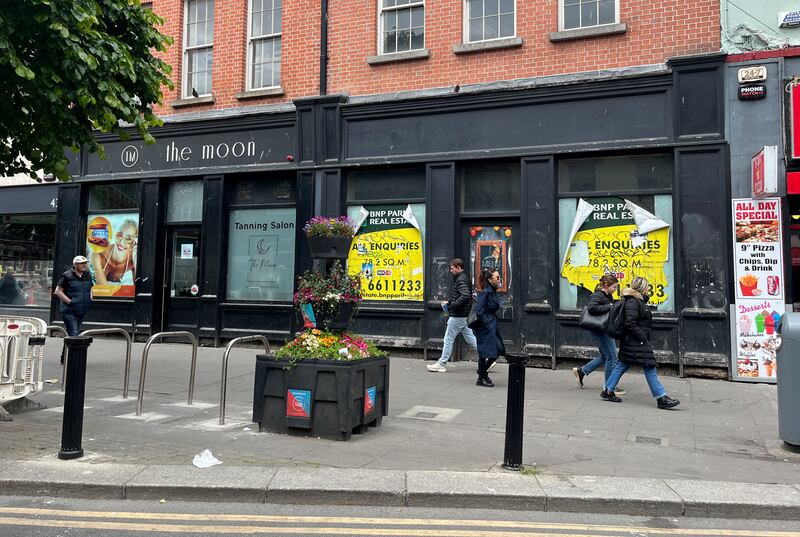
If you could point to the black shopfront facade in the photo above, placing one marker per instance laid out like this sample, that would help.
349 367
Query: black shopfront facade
491 175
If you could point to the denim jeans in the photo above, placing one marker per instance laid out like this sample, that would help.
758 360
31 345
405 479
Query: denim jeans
656 389
455 326
72 323
608 355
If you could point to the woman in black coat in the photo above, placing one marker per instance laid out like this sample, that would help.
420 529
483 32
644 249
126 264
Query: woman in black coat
635 348
490 344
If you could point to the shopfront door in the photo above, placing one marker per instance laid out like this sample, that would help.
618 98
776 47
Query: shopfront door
182 284
492 244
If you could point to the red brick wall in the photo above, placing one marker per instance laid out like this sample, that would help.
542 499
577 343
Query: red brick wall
656 31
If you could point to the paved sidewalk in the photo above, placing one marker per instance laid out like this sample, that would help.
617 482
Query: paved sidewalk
442 434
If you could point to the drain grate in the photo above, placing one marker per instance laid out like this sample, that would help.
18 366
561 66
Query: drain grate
426 415
651 440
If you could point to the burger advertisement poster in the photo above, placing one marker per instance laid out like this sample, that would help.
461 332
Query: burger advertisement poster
111 243
387 251
760 301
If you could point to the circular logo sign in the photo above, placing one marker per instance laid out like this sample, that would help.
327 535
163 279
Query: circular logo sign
194 289
129 156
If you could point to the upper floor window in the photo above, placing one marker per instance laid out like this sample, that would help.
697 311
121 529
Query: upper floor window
587 13
264 54
489 19
198 45
402 25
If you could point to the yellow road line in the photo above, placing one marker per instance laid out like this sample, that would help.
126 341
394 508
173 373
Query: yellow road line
388 522
194 528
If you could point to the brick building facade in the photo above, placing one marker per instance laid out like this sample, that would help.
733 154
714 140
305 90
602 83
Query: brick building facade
481 126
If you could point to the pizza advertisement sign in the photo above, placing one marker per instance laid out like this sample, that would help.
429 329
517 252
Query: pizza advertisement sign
760 300
369 399
298 403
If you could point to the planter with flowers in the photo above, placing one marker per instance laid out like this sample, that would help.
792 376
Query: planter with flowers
326 382
329 238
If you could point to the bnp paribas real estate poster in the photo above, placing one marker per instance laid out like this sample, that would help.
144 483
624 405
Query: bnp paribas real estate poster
760 301
615 236
387 252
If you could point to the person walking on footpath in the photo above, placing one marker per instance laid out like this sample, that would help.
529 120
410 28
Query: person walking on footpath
599 303
458 308
74 289
490 344
635 347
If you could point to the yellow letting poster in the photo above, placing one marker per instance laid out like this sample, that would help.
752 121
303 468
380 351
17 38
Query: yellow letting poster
387 253
613 236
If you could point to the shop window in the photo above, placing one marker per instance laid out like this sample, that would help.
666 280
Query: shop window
488 19
402 25
261 245
26 259
620 174
491 247
604 234
185 202
259 191
112 238
490 187
198 47
114 197
586 13
386 183
265 44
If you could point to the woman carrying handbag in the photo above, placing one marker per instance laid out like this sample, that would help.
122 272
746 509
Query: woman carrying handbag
490 344
593 319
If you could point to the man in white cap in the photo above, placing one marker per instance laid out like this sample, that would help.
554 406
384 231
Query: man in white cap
74 289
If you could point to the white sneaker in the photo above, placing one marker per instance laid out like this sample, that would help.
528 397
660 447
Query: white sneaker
436 368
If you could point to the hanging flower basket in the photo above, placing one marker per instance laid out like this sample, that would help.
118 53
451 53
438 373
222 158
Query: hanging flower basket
329 247
330 238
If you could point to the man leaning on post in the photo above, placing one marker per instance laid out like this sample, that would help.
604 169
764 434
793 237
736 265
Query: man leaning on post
458 308
74 289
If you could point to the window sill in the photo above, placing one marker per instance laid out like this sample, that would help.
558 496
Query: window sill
478 46
264 92
399 56
192 101
593 31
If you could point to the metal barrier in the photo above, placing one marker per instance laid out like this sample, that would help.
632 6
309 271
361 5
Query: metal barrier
22 341
146 351
60 329
224 383
97 332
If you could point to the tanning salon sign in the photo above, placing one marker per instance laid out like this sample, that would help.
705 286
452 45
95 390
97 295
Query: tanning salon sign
615 236
387 253
758 258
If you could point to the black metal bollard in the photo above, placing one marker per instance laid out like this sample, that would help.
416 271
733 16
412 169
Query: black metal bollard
74 391
515 411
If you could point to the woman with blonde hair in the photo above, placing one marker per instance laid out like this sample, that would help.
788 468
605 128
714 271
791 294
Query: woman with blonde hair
635 348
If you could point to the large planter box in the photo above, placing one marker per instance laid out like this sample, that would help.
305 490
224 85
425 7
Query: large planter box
322 398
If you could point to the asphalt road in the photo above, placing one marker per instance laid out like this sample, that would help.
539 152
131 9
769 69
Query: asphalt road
50 517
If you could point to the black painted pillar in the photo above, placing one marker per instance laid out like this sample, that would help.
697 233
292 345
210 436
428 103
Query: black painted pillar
74 391
515 412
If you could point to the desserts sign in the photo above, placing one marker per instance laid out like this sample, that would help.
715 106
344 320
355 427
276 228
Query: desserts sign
758 257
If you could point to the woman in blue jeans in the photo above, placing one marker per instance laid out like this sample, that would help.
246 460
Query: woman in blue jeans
635 348
599 303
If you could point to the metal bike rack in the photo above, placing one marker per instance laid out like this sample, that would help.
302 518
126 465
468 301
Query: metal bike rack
224 383
146 351
60 329
98 331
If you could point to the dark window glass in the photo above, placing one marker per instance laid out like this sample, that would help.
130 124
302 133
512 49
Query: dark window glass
608 174
110 197
386 184
261 190
490 187
26 259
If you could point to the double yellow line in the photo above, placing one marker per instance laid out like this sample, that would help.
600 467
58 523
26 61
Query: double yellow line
276 524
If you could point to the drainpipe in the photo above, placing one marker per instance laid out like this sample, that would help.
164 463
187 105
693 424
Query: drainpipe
323 50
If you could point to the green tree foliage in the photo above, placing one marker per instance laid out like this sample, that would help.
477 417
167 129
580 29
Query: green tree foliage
70 69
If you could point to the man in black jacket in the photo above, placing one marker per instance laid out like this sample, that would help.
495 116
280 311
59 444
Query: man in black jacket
458 308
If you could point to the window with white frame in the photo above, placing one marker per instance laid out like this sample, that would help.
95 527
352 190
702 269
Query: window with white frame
489 19
198 47
402 25
586 13
265 44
